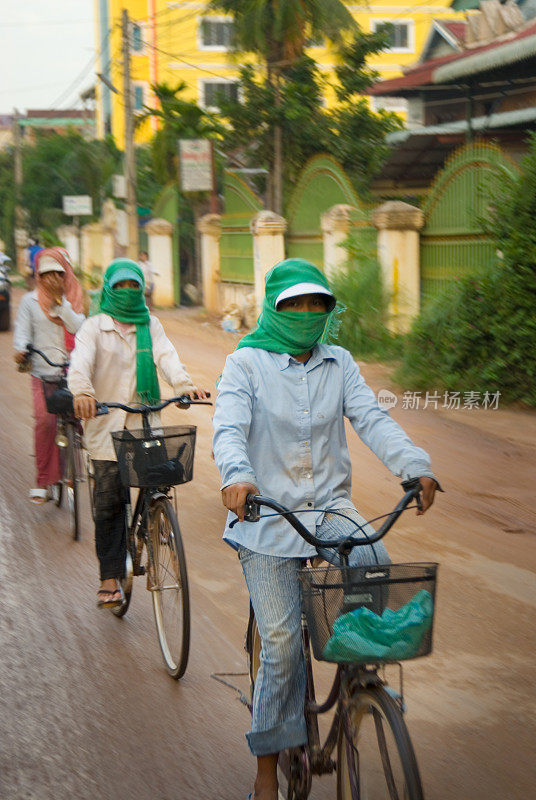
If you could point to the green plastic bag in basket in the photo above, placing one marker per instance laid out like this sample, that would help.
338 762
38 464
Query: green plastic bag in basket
363 636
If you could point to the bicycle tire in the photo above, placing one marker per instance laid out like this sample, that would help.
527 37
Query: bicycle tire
90 472
375 756
168 582
74 475
126 584
58 493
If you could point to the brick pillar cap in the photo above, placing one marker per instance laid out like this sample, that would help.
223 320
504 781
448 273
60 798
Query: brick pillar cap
159 227
210 223
399 216
267 222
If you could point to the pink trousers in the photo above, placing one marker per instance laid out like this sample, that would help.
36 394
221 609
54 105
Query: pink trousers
47 455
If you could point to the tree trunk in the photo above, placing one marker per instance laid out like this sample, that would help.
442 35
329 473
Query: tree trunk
278 154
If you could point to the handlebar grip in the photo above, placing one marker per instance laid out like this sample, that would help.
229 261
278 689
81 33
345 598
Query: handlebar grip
102 409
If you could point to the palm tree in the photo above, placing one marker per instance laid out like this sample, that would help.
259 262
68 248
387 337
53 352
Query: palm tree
278 31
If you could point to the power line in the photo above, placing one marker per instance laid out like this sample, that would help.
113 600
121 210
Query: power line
83 73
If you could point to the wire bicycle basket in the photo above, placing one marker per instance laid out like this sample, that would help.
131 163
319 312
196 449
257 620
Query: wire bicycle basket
369 614
165 458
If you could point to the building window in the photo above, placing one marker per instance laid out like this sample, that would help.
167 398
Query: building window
216 34
211 91
400 35
137 38
138 98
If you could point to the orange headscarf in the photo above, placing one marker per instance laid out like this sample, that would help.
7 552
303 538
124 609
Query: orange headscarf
72 289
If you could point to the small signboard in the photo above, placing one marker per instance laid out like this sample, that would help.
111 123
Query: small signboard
195 157
77 205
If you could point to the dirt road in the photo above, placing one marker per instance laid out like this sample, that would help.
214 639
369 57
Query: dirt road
86 709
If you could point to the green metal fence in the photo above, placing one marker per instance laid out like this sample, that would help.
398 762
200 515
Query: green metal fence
236 243
454 241
322 184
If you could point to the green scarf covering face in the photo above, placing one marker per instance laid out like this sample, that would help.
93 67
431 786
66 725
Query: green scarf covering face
290 332
128 305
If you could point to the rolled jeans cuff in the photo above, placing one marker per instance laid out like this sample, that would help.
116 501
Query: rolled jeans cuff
292 733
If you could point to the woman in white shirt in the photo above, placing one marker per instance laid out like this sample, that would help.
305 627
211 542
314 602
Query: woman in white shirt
47 318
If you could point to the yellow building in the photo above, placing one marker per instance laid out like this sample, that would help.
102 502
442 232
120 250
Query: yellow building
178 41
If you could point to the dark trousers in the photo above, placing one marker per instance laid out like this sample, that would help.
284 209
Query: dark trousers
110 539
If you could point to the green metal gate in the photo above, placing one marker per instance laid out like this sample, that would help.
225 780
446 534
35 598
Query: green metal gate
236 243
322 185
454 241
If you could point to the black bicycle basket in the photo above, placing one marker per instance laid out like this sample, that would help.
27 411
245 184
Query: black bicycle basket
165 458
369 614
58 398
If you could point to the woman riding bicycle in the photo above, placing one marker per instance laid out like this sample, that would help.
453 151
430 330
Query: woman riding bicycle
47 319
116 357
279 431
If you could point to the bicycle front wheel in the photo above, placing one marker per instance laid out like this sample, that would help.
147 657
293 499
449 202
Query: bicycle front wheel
168 581
74 476
376 760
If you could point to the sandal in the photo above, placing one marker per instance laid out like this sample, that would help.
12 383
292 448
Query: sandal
38 496
110 598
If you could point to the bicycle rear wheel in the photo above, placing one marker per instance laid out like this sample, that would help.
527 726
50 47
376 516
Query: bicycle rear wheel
90 472
376 760
169 585
74 476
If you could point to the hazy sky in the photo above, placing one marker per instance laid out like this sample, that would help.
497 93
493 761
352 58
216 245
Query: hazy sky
45 47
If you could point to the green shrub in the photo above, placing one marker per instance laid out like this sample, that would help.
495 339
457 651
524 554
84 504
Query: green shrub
358 286
481 334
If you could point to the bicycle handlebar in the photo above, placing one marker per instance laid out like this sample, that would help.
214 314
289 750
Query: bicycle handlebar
412 489
31 349
184 400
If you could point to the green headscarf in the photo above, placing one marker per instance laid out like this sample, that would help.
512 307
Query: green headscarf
289 331
128 305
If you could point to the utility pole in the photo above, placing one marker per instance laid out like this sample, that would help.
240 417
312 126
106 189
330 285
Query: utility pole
130 165
21 237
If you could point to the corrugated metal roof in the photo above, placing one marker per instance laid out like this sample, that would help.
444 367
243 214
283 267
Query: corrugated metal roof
505 119
509 53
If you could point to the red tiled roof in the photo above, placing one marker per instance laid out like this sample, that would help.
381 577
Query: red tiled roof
422 74
457 29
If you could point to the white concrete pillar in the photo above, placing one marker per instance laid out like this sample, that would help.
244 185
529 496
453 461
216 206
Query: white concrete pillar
209 228
335 227
398 227
160 235
268 231
69 237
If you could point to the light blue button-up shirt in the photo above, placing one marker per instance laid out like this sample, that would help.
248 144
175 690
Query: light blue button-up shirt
279 424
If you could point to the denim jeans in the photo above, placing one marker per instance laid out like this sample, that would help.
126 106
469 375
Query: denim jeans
275 592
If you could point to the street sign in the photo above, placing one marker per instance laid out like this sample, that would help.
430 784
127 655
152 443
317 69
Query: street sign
195 156
77 205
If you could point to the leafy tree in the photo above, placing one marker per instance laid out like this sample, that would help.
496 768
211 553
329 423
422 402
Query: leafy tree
358 133
278 32
58 164
251 119
179 119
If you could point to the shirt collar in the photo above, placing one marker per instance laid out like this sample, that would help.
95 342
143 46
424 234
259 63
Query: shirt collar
320 353
107 323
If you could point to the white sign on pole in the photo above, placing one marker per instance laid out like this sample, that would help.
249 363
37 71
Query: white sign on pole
195 165
77 205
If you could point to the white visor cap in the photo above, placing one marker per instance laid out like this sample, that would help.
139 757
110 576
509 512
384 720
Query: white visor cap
49 264
306 288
